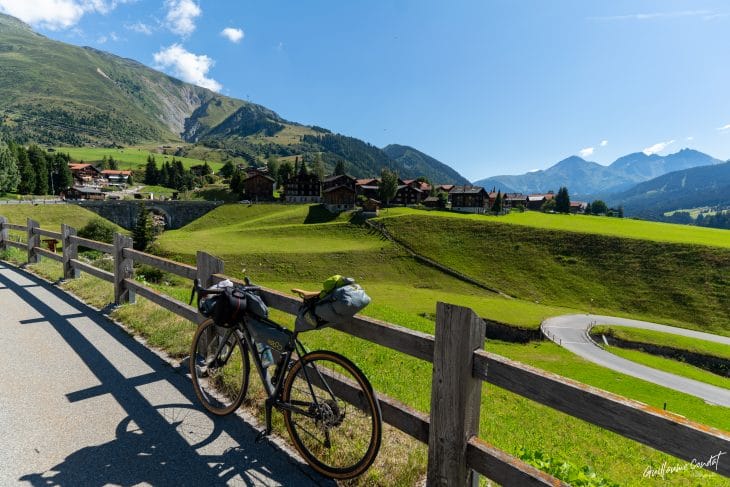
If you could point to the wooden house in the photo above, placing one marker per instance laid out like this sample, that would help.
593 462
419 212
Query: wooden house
83 193
116 178
303 188
535 201
339 198
339 180
469 199
407 195
259 187
86 174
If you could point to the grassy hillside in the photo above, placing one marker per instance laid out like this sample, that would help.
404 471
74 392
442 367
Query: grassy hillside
681 283
50 217
300 246
130 157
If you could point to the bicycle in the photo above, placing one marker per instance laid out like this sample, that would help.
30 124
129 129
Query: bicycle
330 410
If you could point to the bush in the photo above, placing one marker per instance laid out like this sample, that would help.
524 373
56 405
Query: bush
149 274
98 229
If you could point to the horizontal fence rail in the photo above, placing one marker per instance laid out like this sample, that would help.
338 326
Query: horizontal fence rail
658 429
93 244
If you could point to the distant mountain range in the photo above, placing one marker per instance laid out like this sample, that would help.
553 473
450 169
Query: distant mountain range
585 179
705 186
58 94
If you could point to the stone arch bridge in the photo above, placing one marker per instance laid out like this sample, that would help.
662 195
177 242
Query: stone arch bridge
124 213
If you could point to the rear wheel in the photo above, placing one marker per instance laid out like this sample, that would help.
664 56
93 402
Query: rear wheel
219 370
337 424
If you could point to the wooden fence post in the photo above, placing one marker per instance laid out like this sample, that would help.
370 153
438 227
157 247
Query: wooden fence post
34 240
70 251
3 233
207 266
455 395
123 269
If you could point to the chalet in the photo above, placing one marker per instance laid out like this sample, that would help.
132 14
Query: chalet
469 199
259 187
303 188
116 178
339 180
431 202
578 206
535 201
407 195
339 198
83 193
513 200
369 187
86 174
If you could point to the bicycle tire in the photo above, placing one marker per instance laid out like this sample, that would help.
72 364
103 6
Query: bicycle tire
221 382
354 432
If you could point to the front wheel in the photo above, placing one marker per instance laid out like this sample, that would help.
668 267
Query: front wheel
219 368
332 414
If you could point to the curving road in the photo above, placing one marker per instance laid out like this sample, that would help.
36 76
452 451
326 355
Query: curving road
571 332
84 403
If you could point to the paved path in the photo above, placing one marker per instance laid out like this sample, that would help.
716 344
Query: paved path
83 403
571 332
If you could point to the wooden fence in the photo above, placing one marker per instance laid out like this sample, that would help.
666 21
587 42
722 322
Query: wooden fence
455 452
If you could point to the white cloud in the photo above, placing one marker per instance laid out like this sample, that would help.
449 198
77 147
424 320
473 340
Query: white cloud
690 138
658 147
724 127
586 152
232 34
187 66
603 143
181 16
56 14
139 27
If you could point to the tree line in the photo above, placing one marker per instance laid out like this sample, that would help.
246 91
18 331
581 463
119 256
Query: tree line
174 175
32 170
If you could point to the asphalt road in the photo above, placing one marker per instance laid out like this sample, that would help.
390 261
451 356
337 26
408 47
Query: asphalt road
571 332
82 403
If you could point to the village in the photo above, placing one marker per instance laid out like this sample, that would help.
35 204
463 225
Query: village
337 192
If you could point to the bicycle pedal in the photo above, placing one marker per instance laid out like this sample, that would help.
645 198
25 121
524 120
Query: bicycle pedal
260 437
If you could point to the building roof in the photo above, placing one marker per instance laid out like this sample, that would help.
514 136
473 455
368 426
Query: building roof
87 190
366 181
74 166
341 186
431 199
335 177
446 187
114 172
260 175
467 190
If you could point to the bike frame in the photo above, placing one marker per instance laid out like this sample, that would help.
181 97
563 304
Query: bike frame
283 367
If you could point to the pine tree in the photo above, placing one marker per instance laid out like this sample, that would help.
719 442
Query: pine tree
26 170
497 206
38 161
151 173
588 210
318 167
340 168
562 200
142 234
9 175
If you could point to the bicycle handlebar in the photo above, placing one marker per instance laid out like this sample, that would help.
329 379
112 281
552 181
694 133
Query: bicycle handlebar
203 292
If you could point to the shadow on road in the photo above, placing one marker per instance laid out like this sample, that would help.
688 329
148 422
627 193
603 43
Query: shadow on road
158 444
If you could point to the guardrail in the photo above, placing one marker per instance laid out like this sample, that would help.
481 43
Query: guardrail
455 452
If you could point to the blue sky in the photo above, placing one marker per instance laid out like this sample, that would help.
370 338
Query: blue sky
487 86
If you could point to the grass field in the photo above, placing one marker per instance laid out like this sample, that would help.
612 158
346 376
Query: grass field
589 271
50 217
652 337
672 366
130 157
405 292
597 225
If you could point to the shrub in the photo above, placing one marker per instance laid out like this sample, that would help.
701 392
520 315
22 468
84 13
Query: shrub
98 229
149 273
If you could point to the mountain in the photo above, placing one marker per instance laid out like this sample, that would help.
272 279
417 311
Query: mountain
419 162
58 94
690 188
589 179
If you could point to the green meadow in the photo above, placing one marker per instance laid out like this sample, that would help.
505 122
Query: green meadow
284 246
130 158
653 337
